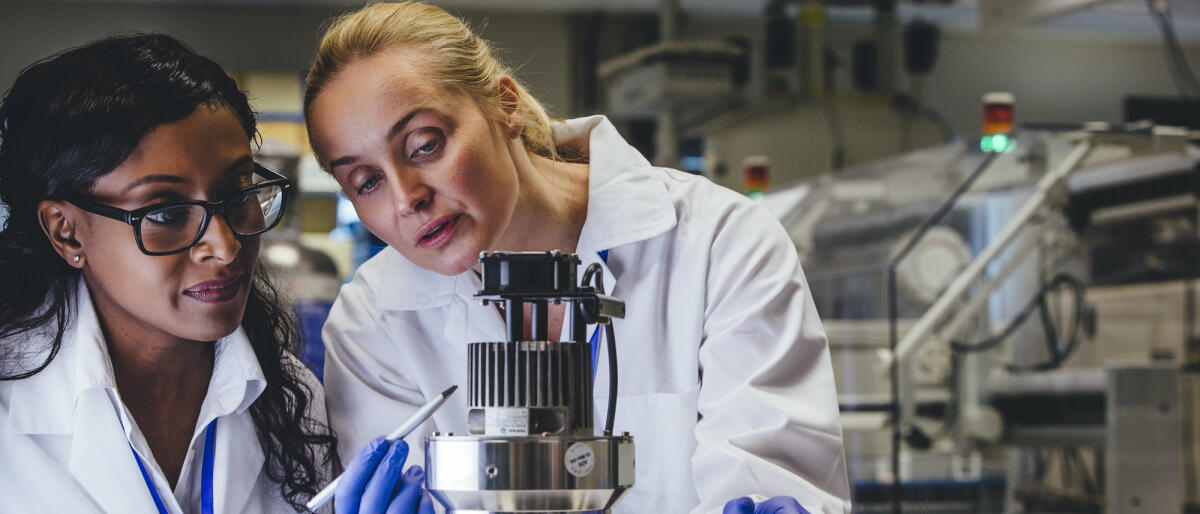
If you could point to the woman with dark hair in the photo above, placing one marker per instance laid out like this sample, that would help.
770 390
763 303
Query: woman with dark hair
145 360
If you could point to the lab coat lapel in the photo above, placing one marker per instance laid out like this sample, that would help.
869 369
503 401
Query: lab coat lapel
238 464
455 329
237 382
469 321
626 202
410 287
102 461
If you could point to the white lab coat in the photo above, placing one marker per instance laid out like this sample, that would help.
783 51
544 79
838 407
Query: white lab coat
65 435
725 377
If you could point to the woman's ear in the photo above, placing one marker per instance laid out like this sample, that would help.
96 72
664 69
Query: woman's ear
510 101
59 227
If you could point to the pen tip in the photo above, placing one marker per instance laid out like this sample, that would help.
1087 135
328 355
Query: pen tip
448 392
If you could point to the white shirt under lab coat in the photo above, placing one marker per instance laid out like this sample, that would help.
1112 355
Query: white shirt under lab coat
725 377
65 435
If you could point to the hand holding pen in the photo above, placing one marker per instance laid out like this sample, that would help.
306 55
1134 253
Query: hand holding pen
374 482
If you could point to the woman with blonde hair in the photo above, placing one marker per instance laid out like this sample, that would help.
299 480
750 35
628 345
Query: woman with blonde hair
726 378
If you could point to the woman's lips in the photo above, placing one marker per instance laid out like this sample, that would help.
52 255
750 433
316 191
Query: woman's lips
216 291
438 232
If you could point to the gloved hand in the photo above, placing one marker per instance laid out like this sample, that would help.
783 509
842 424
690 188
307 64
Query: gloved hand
374 482
776 505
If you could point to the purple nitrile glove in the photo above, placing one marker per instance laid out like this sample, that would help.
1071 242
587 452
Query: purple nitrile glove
776 505
375 482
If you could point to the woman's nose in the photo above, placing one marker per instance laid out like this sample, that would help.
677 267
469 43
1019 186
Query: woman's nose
411 194
218 241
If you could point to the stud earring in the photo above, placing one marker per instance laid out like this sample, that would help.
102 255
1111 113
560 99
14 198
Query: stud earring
76 258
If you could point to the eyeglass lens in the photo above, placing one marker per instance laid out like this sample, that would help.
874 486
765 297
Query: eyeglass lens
173 228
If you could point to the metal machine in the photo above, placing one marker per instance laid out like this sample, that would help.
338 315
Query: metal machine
531 445
1014 331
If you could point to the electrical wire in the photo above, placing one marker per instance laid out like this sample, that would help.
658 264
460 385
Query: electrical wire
1058 352
1181 70
593 271
610 340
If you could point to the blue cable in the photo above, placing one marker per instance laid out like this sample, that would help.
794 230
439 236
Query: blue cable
596 333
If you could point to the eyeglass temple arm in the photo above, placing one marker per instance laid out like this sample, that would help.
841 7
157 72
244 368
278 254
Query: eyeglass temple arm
107 211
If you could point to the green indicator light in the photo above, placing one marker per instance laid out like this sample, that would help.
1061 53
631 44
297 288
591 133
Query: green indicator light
999 142
755 194
996 143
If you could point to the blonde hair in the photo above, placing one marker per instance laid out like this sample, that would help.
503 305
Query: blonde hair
459 60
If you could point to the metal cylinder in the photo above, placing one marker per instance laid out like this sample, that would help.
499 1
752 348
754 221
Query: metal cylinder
530 387
532 446
529 474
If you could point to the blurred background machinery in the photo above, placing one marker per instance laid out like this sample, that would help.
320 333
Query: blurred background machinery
1011 309
1038 304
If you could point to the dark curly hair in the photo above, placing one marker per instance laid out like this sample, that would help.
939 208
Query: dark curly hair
72 118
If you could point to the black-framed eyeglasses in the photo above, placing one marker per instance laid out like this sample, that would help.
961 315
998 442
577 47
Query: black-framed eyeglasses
172 227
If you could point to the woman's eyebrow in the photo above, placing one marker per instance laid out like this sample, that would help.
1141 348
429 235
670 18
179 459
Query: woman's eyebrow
396 128
399 126
240 169
240 165
162 178
342 161
150 179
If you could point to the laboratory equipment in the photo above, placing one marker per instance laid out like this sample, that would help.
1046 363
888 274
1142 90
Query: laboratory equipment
1013 330
531 445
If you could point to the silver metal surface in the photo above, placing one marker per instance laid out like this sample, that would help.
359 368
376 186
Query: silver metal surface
530 387
528 474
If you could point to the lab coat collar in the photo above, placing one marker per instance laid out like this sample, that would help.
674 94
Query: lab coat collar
627 203
45 403
75 395
404 286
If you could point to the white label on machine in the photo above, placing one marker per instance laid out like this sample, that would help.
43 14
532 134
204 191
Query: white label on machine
502 421
580 459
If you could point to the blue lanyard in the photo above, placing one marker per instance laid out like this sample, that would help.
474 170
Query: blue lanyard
596 333
206 469
206 476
